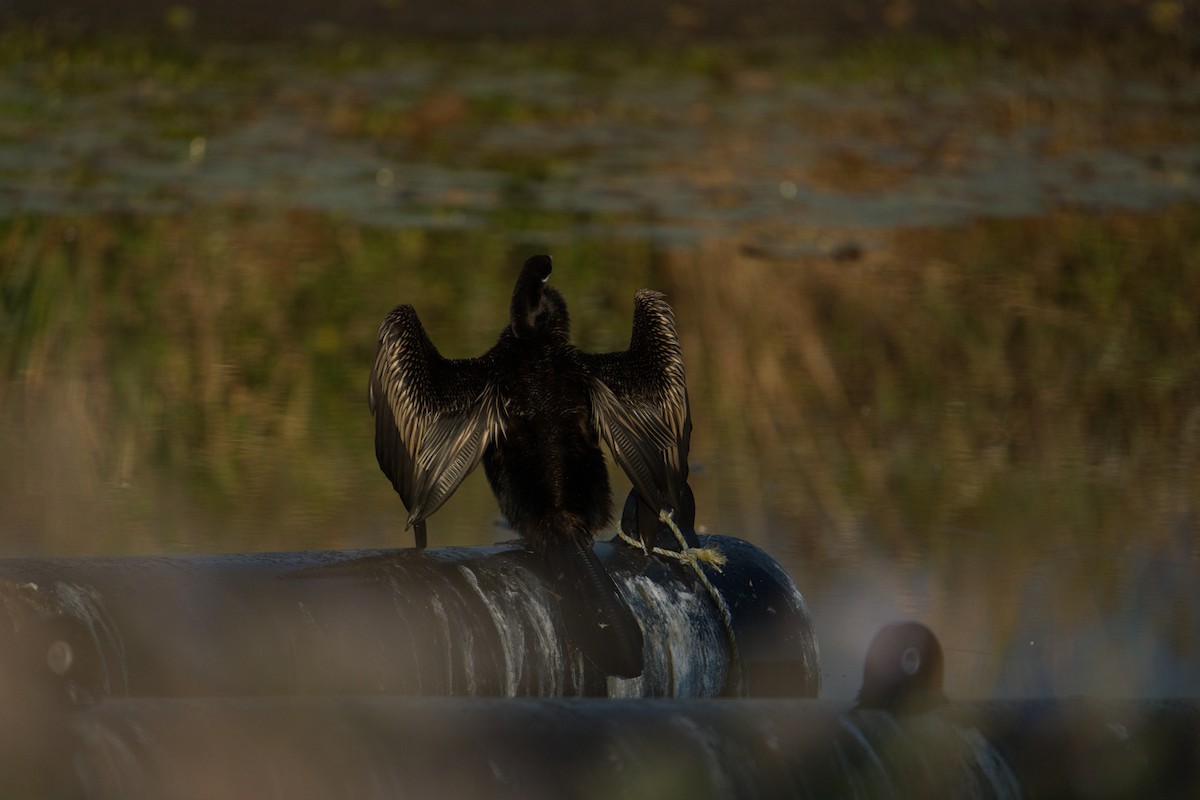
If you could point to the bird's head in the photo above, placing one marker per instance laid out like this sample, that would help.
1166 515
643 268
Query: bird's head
537 309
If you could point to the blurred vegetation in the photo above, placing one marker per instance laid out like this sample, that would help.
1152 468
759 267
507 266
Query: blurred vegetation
1016 377
1011 377
183 81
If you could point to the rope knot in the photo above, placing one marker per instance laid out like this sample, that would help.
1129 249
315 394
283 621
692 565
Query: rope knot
695 557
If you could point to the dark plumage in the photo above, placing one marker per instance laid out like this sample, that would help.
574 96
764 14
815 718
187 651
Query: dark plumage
533 409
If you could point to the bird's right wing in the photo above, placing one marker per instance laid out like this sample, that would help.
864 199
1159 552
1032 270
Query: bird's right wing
640 404
434 417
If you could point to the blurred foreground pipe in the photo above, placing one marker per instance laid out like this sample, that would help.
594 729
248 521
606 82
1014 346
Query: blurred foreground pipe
465 621
465 748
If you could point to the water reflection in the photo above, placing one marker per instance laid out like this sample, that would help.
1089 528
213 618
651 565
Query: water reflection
991 427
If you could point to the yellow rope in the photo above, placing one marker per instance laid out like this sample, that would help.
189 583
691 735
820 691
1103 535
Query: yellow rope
694 557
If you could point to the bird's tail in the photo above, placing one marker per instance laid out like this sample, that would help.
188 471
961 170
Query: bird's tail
598 619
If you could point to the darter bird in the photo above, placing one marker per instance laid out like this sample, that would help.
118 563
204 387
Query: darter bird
533 409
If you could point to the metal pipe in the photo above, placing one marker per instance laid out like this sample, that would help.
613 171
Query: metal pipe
454 621
365 748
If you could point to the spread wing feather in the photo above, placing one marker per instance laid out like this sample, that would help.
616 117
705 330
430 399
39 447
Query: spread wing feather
640 403
434 416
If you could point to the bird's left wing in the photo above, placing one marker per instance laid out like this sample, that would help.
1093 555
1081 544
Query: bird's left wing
434 416
640 403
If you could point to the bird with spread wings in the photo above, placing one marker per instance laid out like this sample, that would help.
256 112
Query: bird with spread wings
533 409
